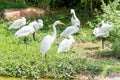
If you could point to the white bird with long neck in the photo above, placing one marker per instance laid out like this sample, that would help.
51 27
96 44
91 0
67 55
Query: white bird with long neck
18 23
48 40
102 31
74 18
66 44
70 30
29 29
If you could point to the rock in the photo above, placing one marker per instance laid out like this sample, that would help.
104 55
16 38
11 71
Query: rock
31 12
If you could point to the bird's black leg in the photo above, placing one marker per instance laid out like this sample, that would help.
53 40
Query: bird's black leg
47 62
103 40
25 39
34 36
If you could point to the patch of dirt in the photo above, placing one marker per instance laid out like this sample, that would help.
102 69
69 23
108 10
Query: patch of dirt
111 76
90 49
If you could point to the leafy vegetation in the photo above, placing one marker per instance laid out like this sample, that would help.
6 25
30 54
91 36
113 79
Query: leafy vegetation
110 15
13 4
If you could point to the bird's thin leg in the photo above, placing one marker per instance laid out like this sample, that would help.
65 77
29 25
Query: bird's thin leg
34 36
47 62
25 39
103 40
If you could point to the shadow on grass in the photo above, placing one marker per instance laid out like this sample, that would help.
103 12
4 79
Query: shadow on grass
91 48
106 54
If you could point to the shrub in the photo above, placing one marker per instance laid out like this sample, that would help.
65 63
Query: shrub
93 68
110 14
116 48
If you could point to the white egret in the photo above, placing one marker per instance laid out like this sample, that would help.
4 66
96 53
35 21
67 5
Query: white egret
38 24
70 30
48 40
18 23
74 18
29 29
66 44
102 31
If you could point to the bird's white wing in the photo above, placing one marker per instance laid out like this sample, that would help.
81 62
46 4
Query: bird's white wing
64 46
24 31
36 25
46 44
33 23
40 25
104 30
68 31
16 24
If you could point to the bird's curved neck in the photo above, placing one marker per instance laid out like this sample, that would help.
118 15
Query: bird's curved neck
54 31
74 15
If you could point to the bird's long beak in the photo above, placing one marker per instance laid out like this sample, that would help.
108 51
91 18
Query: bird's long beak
63 23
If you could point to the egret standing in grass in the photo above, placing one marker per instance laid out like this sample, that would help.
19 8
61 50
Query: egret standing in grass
102 31
70 30
38 24
18 23
66 44
48 40
74 18
29 29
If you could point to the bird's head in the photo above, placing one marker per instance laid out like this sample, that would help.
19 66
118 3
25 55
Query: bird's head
72 11
40 20
23 18
77 25
101 23
71 37
58 22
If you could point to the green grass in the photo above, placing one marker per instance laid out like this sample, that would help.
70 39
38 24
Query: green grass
21 60
18 59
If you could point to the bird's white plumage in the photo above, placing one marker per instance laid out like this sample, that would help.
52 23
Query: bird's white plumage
38 24
46 44
18 23
33 23
66 44
70 30
47 41
74 18
103 30
96 31
29 29
24 31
